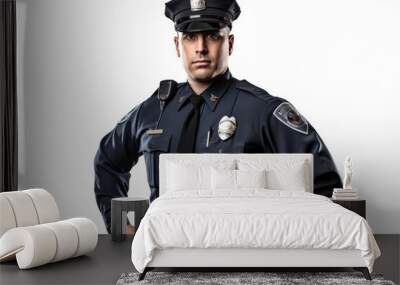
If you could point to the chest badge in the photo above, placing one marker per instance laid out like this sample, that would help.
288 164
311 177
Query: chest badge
226 127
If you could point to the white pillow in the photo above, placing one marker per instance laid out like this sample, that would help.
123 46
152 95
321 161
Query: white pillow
281 174
251 178
292 178
225 179
188 175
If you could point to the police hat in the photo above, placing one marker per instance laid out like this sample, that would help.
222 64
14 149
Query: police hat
202 15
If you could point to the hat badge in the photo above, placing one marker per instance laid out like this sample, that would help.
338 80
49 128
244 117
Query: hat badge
197 5
226 127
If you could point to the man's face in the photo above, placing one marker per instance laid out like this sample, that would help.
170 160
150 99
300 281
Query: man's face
204 54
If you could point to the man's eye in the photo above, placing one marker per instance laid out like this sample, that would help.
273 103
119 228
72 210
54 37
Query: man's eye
214 37
188 37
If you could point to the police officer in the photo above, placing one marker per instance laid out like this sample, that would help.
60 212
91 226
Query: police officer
210 113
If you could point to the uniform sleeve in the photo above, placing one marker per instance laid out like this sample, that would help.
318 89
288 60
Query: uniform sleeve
289 132
115 157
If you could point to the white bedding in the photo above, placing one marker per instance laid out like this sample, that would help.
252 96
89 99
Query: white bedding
251 218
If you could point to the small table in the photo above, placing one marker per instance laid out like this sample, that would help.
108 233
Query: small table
119 210
357 206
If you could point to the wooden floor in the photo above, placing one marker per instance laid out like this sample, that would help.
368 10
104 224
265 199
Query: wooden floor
110 260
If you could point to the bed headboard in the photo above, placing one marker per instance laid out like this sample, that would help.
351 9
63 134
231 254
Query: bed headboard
267 158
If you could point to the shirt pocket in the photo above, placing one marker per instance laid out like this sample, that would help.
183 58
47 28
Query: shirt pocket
155 143
231 145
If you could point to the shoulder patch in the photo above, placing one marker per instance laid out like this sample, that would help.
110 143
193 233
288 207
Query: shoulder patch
289 116
252 89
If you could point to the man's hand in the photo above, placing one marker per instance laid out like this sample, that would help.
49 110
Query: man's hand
130 230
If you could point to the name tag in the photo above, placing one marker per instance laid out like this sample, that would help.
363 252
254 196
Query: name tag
154 132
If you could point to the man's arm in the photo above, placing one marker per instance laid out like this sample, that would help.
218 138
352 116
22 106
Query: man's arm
115 157
289 132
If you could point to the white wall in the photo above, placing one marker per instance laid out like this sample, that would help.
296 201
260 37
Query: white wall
84 64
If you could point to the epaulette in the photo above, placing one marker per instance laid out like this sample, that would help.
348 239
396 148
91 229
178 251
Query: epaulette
254 90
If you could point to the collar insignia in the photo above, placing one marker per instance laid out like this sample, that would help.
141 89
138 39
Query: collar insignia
214 98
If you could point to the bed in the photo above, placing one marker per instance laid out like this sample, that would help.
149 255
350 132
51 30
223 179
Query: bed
245 211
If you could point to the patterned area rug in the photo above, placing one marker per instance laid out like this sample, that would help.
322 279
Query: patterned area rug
269 278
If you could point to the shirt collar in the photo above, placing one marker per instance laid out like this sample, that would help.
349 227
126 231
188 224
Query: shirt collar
212 95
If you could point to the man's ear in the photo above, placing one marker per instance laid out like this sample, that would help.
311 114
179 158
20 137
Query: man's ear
176 40
231 42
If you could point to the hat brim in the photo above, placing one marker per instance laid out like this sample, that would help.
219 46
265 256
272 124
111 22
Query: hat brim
200 25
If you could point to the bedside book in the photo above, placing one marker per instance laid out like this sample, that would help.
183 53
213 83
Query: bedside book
344 194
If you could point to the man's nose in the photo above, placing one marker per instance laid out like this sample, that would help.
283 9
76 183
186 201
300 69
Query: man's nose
201 45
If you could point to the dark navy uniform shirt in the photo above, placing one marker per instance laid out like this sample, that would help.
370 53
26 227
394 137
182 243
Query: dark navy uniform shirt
264 124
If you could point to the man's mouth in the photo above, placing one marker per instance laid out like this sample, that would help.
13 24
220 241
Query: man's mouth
201 62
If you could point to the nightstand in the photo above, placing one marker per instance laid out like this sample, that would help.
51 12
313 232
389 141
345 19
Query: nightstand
357 206
119 210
